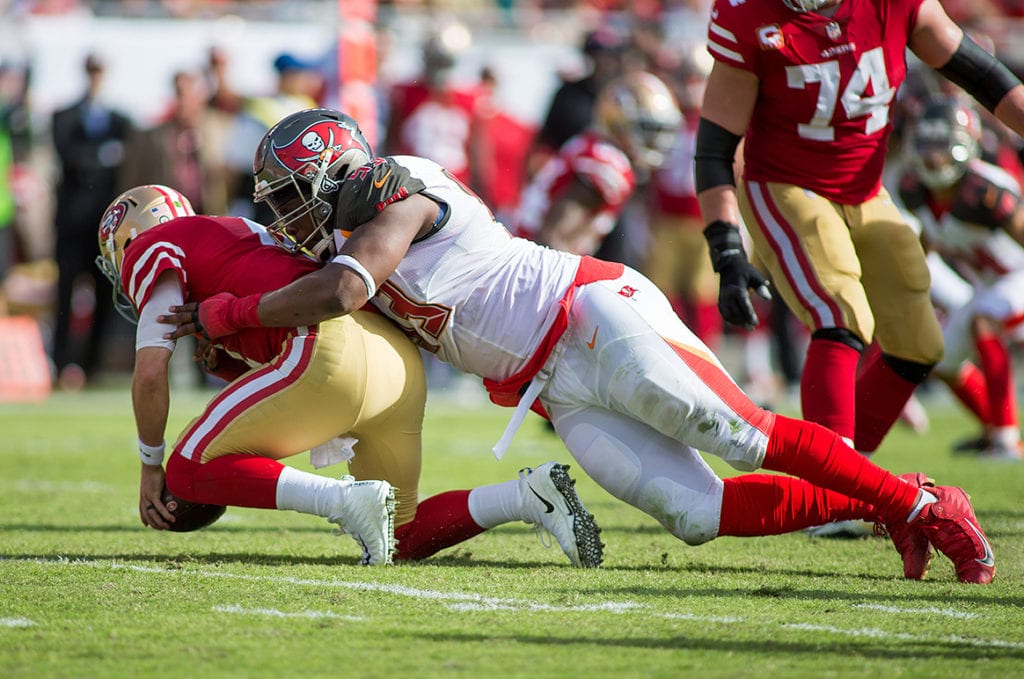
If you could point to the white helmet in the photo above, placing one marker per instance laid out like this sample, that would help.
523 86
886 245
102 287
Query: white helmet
131 213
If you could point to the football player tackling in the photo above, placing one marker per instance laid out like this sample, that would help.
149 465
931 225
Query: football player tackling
591 344
294 389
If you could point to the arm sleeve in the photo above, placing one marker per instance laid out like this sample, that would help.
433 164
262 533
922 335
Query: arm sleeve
150 333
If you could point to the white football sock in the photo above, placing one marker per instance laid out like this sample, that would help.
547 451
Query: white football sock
496 504
307 493
923 498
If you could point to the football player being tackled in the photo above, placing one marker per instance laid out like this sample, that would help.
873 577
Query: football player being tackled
590 344
808 86
355 380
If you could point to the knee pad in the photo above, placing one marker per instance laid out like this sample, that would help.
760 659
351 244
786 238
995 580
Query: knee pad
841 335
912 372
691 515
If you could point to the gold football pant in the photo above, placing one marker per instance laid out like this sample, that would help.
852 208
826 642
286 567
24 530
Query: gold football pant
859 267
356 375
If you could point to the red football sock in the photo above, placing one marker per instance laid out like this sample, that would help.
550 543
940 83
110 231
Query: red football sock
231 480
765 504
811 452
995 364
828 385
970 389
881 395
441 521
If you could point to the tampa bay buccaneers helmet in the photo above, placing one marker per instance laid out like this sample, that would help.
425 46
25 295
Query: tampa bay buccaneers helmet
299 167
944 138
131 213
640 114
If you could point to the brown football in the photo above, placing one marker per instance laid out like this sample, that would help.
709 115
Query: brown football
189 516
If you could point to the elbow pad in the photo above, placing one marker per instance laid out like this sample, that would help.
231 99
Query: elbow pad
980 74
716 152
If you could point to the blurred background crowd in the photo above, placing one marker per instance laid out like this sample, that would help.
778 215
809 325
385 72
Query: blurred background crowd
99 96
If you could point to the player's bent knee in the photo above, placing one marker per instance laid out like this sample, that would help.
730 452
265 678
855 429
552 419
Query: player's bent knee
690 515
180 477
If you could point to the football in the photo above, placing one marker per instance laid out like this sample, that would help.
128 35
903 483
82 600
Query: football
189 516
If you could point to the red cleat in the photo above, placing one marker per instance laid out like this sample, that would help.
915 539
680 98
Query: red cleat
909 539
951 526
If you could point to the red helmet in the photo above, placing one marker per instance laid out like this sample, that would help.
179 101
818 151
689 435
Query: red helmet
299 166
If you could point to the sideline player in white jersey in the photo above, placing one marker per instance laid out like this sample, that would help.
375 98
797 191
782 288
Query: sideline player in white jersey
592 345
293 389
970 213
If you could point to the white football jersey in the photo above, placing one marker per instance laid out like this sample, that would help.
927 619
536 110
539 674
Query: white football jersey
470 292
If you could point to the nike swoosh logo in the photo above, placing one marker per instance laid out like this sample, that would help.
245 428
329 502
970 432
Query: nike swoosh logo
548 507
990 558
379 183
590 344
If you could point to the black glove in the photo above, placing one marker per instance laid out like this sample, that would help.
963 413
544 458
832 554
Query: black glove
736 275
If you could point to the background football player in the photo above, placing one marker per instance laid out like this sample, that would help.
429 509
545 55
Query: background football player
573 201
298 388
971 214
593 345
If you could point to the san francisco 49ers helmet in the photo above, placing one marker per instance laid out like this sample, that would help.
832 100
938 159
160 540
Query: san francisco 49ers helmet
805 5
944 138
131 213
640 114
298 168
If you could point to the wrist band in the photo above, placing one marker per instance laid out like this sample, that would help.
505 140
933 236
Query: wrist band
353 264
151 454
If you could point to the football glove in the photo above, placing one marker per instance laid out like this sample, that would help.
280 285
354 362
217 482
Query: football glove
223 314
736 275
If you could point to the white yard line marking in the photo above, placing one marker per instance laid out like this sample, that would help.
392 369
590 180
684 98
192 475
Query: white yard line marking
274 613
15 622
466 601
930 610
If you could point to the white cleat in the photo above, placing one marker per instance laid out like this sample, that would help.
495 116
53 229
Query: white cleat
550 503
367 513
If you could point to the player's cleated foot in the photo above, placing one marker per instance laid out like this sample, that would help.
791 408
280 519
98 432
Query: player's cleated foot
850 529
366 511
974 444
1003 453
951 526
910 541
550 503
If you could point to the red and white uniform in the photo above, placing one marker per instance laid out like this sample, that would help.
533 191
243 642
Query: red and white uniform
969 233
196 248
826 85
630 390
590 159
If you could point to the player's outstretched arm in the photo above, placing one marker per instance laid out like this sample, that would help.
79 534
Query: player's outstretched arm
346 283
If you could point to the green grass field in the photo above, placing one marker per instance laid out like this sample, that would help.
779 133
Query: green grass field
86 591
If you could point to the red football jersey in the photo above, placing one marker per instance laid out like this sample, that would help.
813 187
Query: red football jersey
211 255
821 120
593 161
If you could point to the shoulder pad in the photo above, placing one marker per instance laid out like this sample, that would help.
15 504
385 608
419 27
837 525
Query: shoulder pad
370 189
